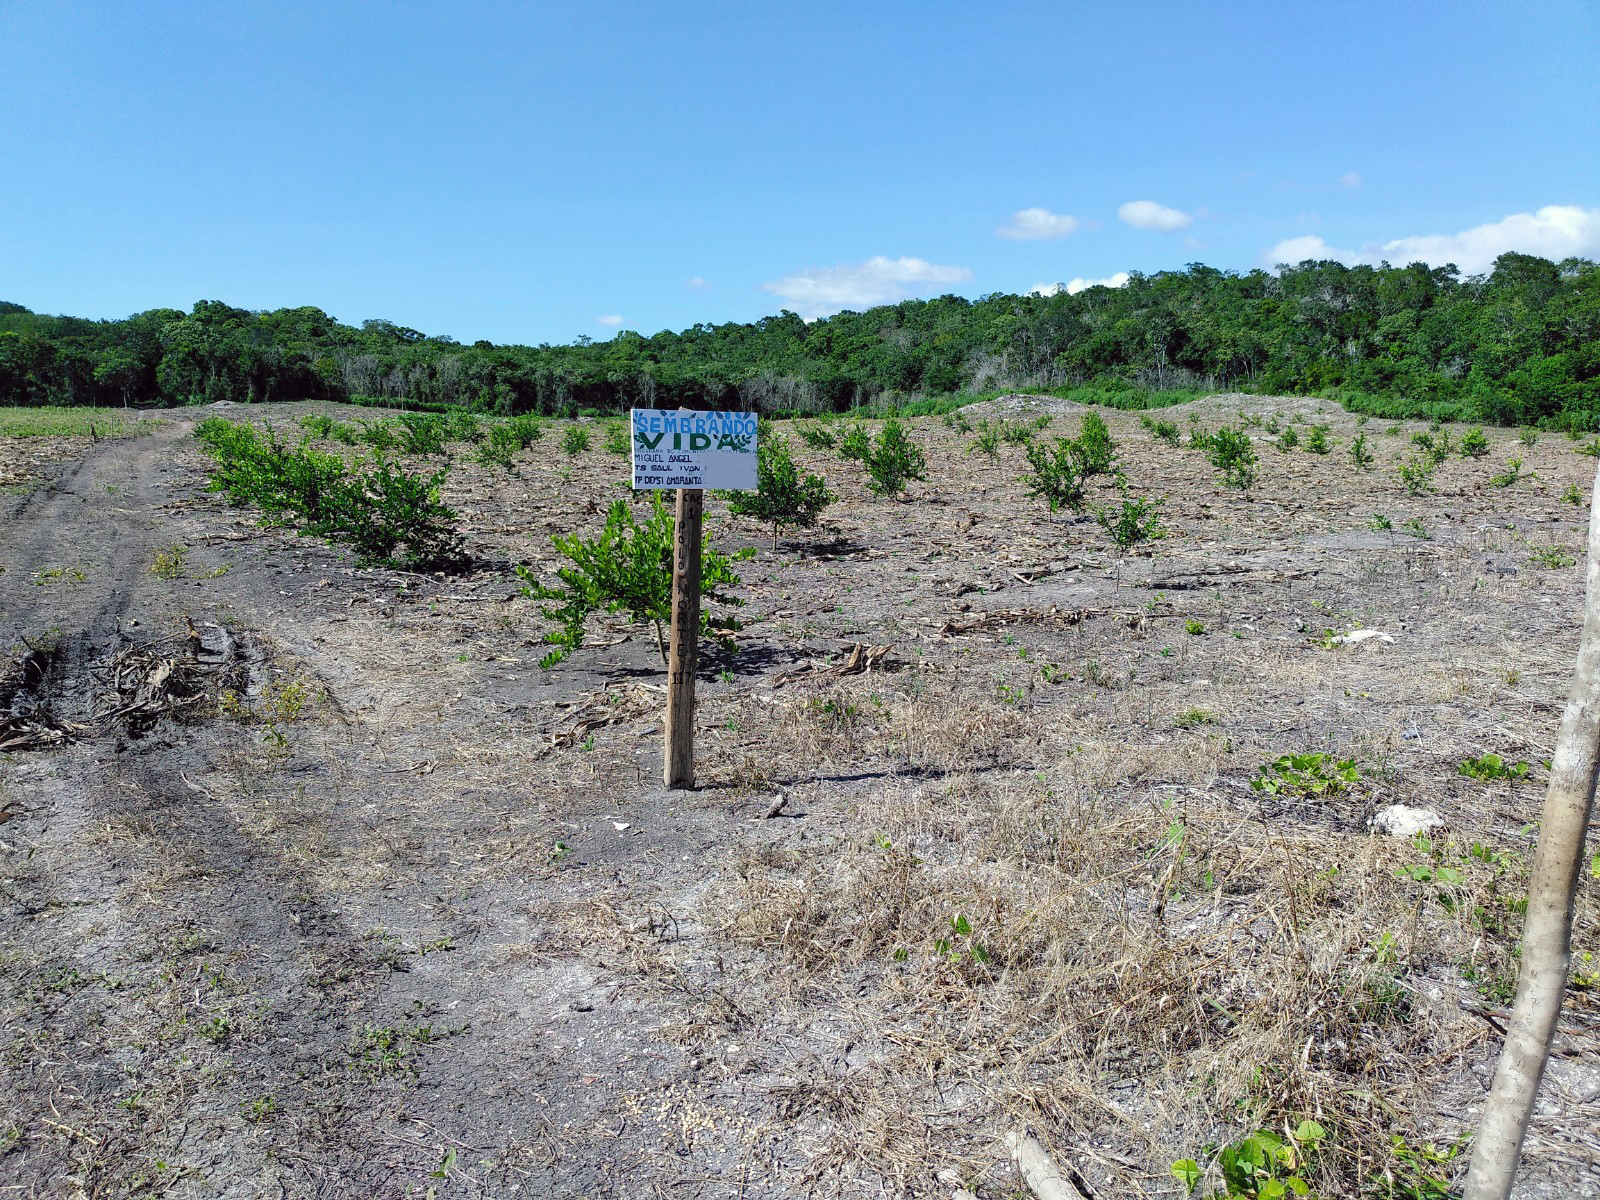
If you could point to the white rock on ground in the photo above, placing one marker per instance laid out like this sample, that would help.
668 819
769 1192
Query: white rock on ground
1403 821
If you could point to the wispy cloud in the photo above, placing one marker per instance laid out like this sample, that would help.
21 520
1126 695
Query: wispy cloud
1350 180
697 283
1555 232
1074 286
821 291
1038 224
1147 214
610 322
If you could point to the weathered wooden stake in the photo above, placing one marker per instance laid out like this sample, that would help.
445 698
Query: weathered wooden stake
682 654
1547 928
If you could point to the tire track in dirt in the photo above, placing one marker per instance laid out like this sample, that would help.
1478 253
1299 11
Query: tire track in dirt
154 941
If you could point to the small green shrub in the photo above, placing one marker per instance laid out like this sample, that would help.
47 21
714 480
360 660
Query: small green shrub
616 439
1165 431
1056 474
1473 444
498 449
1510 475
1231 452
986 441
1573 494
1416 474
1317 439
575 440
398 518
894 461
1096 451
627 568
1016 433
1061 473
526 429
1137 520
1528 436
422 433
504 439
1288 439
856 444
783 497
461 426
1359 452
818 437
318 425
388 515
382 436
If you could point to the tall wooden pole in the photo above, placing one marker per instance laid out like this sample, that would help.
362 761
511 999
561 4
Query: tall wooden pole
678 770
1547 928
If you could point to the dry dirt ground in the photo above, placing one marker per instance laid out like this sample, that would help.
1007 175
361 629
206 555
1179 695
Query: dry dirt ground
316 885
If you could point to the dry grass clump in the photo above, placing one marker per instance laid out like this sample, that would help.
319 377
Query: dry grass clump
1123 962
899 719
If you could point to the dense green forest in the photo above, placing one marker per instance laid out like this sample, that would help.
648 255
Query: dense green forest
1520 344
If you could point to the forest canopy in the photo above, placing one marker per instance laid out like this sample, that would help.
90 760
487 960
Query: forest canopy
1520 344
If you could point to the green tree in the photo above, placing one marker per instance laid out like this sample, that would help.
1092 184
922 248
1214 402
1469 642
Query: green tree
894 461
628 568
783 496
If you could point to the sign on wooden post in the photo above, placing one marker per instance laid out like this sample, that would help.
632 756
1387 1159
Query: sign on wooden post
688 451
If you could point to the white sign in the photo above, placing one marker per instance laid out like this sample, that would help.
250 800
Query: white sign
676 448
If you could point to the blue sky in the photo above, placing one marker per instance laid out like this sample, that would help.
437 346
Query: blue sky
533 173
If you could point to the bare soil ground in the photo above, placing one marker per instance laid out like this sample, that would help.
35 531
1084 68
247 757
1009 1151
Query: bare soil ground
315 885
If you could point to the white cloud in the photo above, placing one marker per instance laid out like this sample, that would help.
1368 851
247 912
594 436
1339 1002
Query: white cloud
1073 287
611 322
697 283
820 291
1350 180
1298 249
1147 214
1038 224
1555 232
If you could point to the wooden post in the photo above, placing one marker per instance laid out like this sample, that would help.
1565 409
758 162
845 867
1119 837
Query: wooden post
678 769
1547 927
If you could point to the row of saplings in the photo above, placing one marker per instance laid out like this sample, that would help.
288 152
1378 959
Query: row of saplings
396 518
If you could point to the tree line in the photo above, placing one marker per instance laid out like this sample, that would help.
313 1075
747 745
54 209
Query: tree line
1520 344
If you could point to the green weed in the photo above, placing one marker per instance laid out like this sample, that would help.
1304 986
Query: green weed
1510 475
1487 767
1313 774
169 563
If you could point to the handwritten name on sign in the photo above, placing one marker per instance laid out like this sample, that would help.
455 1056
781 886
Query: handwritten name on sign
675 448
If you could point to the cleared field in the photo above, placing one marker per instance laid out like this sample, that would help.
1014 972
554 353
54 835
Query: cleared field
319 886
